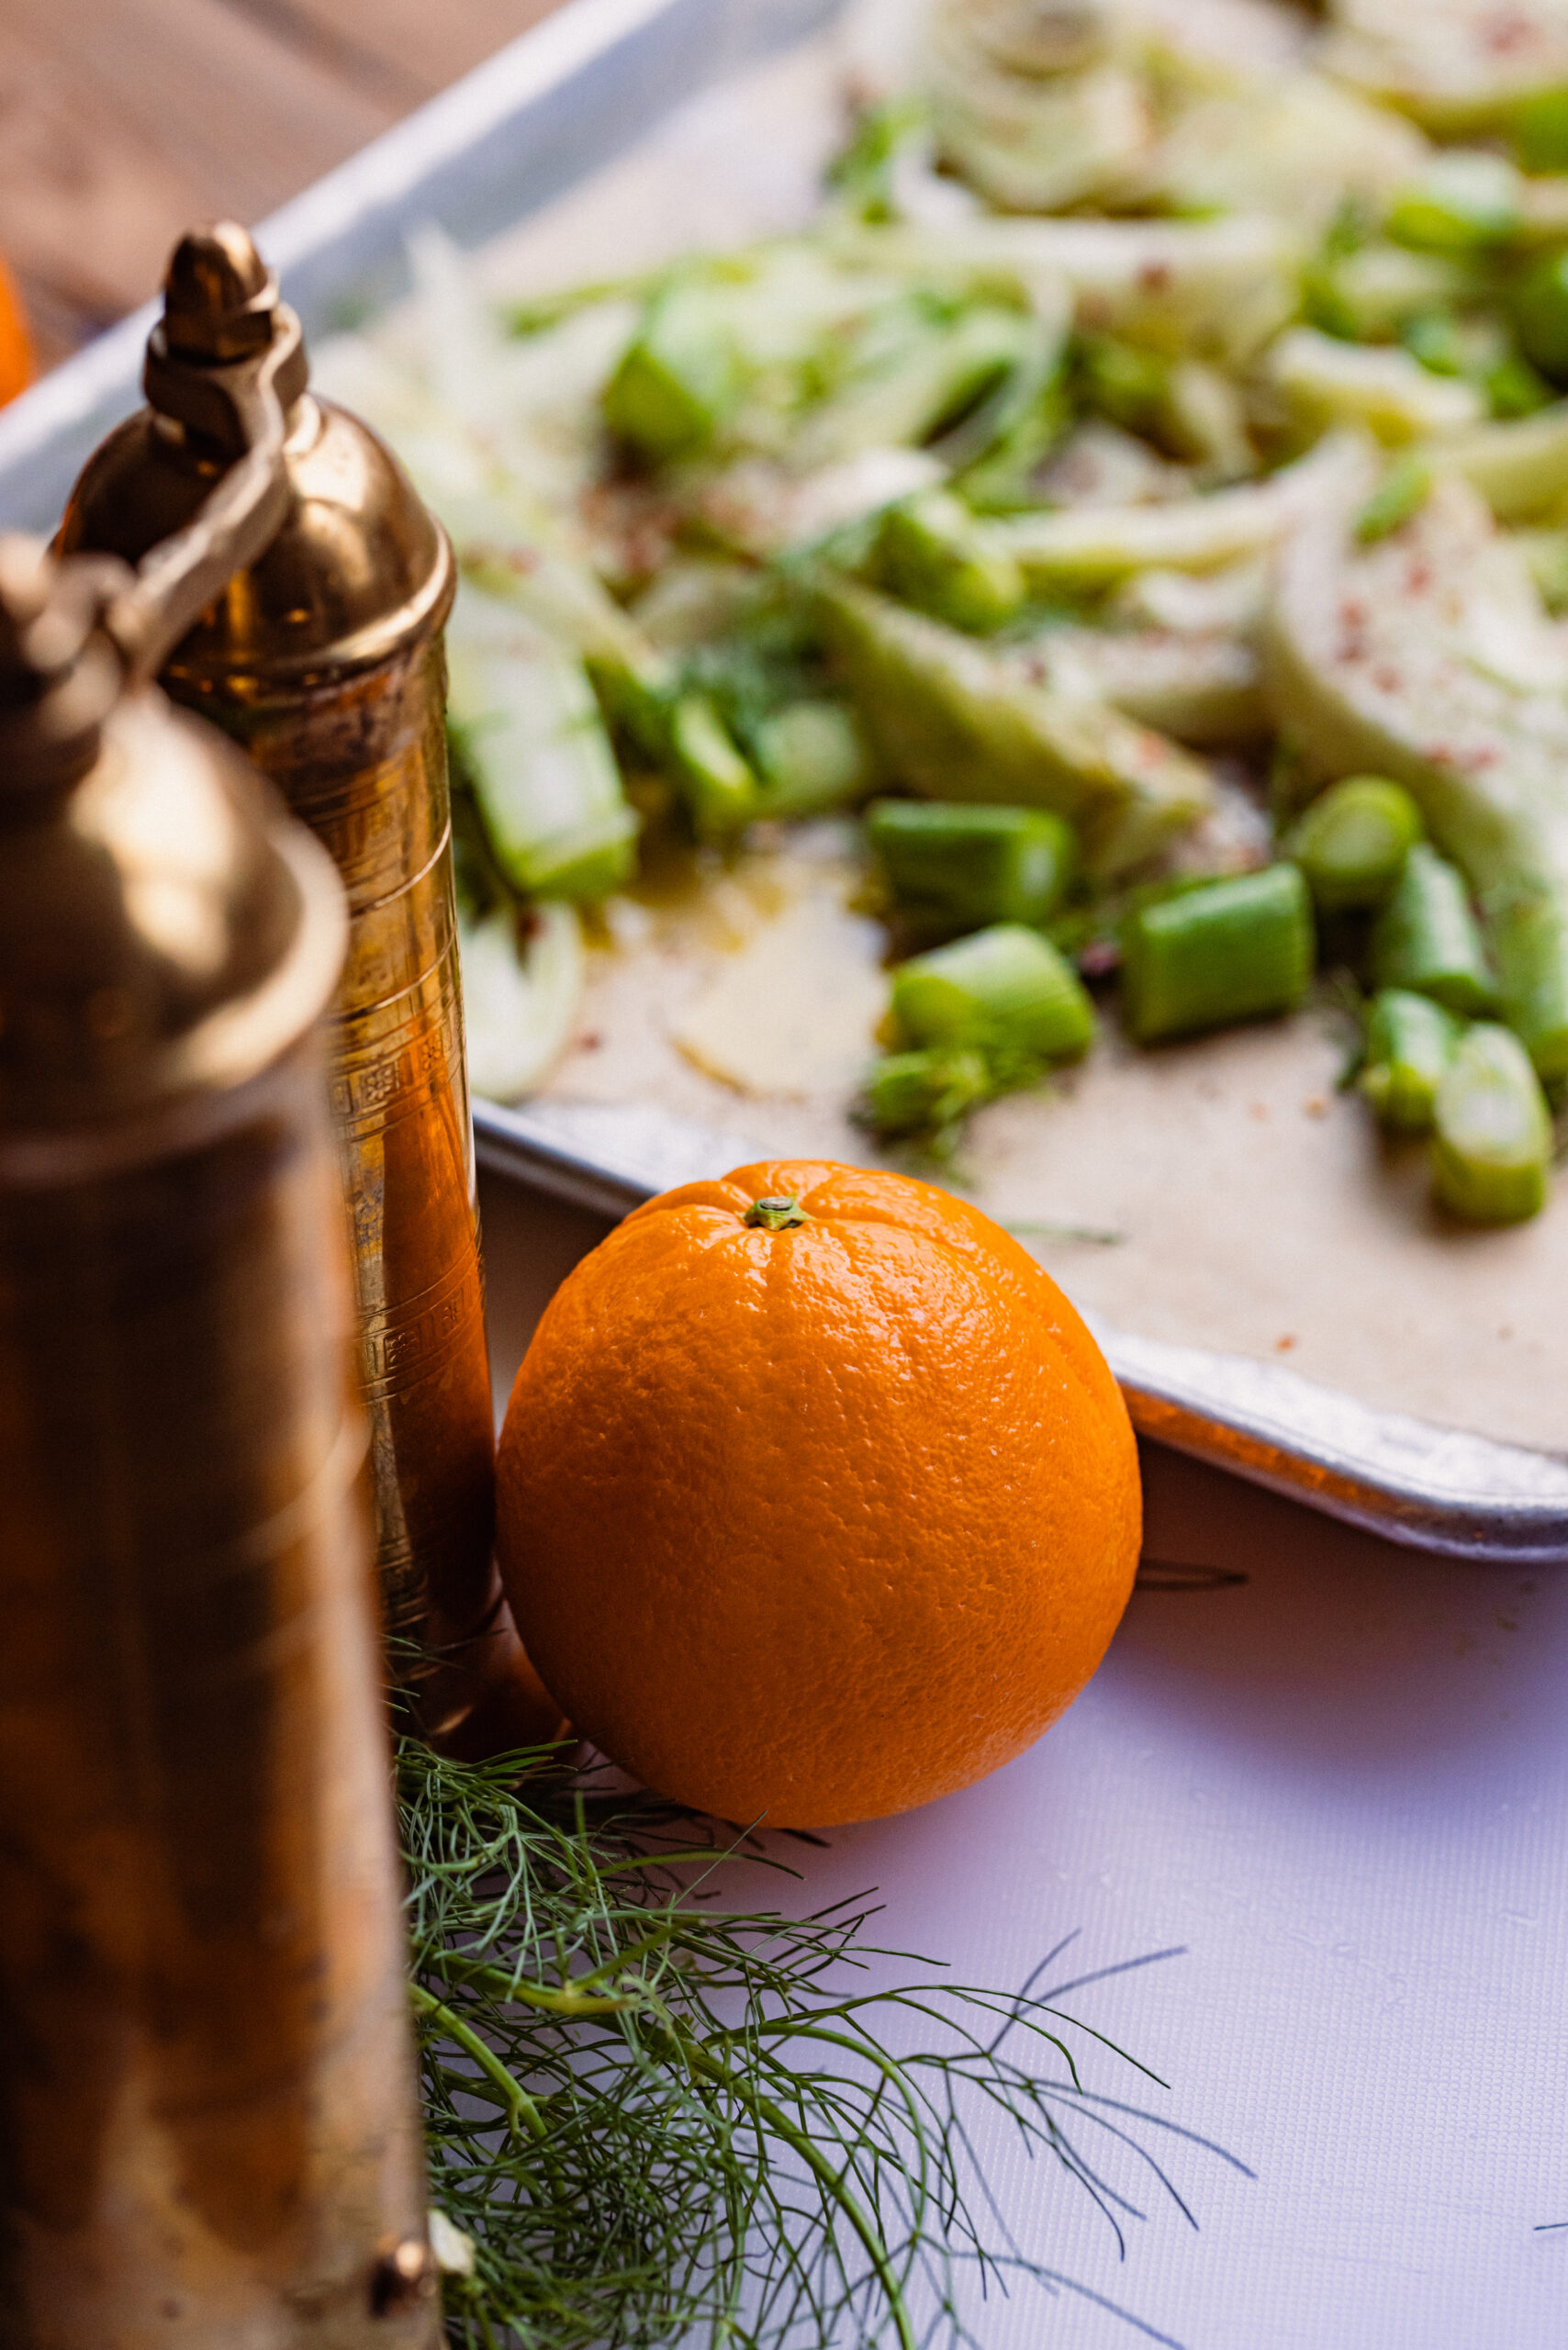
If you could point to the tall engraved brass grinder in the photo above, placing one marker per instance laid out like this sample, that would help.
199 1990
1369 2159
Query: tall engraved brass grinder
323 658
208 2133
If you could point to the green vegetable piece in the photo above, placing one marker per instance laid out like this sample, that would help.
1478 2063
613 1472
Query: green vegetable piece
1465 200
931 552
1352 842
1515 388
1428 939
1437 339
1402 491
719 789
1541 130
864 178
1232 950
1546 552
812 758
530 748
1529 936
1493 1159
1121 382
1541 314
951 720
924 1093
1410 1042
680 380
968 867
1005 990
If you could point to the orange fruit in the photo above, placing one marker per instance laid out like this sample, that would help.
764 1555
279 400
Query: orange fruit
16 343
817 1508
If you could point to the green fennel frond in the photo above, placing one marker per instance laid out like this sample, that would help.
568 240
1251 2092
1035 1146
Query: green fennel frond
660 2118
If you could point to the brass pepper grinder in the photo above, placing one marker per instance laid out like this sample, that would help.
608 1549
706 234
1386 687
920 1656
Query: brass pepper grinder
324 660
209 2130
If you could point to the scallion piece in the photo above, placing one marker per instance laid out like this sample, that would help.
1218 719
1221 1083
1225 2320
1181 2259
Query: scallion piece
1541 314
1465 200
1410 1042
1530 940
931 552
680 379
926 1092
1399 496
1540 127
718 787
1231 950
1428 939
811 756
1352 842
1493 1158
966 867
1005 991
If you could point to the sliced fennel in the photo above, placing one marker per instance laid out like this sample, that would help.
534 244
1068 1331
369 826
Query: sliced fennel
520 1000
1092 546
536 755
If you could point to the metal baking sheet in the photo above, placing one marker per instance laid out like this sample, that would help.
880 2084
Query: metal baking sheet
498 149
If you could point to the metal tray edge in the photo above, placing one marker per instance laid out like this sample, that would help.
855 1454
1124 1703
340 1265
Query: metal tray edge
1426 1487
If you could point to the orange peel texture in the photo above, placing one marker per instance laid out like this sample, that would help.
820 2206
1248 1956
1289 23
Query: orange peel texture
814 1511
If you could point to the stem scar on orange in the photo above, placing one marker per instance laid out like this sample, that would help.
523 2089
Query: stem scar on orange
816 1498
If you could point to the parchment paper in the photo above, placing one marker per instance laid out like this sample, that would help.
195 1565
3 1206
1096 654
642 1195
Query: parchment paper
1257 1208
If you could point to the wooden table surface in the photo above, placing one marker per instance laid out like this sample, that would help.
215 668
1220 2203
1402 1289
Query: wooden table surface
123 121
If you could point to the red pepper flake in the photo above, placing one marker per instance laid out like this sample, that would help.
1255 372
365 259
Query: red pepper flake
1154 277
1386 680
1507 32
1419 578
1282 1346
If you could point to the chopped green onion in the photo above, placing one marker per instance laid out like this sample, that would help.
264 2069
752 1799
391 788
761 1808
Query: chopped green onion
1231 950
1353 841
968 867
1541 130
1437 339
1541 314
1428 939
1465 200
931 552
1493 1158
1528 936
1516 388
1399 496
1546 552
718 787
1005 990
1410 1042
924 1093
811 756
680 379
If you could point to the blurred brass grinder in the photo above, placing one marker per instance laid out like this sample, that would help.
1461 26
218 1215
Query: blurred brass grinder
208 2128
323 658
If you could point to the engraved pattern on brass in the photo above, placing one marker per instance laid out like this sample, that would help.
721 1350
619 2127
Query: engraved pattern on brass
322 659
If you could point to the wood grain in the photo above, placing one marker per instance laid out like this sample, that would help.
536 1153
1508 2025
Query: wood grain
122 121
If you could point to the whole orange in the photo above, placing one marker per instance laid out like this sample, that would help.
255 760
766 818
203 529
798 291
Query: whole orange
16 344
816 1498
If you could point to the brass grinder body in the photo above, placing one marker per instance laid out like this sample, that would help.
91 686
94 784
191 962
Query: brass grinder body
324 661
208 2133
